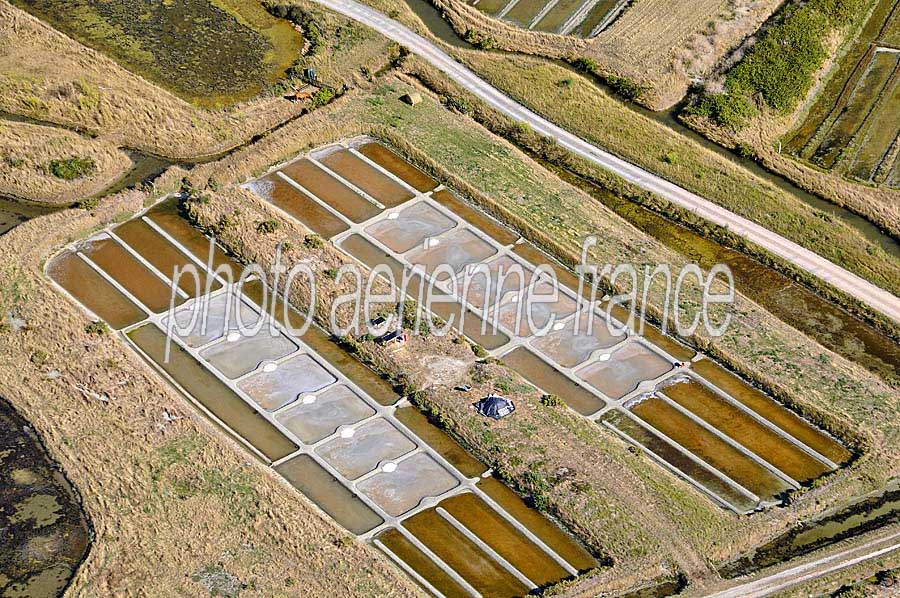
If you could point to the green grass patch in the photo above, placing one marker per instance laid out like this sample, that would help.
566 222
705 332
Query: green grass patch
73 168
781 67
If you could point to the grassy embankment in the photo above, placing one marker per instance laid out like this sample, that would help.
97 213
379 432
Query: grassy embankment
507 183
50 165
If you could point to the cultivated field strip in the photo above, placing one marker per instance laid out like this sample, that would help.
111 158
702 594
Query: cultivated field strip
728 439
859 134
332 429
582 18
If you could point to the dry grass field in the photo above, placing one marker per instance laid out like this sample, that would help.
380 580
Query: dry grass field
665 44
26 153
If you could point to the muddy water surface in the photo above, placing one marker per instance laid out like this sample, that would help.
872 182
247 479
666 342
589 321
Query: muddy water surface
442 443
679 461
868 514
548 533
558 15
90 289
502 537
282 194
163 256
45 533
329 494
744 429
213 394
13 213
167 216
406 551
388 160
772 411
462 555
330 190
709 448
476 218
133 276
358 173
547 378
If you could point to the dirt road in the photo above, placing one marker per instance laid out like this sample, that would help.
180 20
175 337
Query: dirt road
808 571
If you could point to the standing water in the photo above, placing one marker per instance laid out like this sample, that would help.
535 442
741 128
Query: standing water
46 534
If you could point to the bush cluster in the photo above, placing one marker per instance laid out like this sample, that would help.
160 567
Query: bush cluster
780 68
72 168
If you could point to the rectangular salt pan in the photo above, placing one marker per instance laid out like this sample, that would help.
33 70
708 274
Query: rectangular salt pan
287 382
332 408
204 319
242 356
370 444
411 227
623 372
404 488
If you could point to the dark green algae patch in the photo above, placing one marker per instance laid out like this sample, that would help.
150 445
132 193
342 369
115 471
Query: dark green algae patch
44 534
212 53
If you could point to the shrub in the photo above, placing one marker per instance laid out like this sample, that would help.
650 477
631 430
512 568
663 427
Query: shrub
670 157
266 226
588 65
726 109
39 357
88 203
97 328
321 97
625 87
480 41
458 104
72 168
313 242
744 150
551 401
